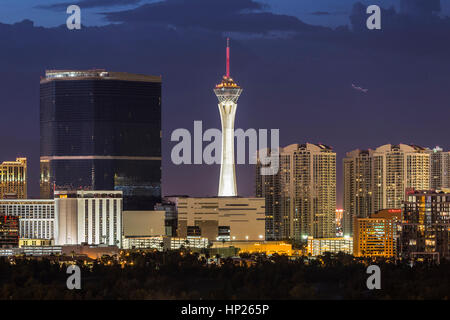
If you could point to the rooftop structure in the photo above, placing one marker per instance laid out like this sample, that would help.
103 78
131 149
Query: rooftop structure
96 74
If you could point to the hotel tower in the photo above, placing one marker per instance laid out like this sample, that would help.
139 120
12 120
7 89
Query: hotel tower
227 93
101 130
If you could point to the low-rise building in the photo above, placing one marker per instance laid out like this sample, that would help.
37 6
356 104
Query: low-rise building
164 243
266 247
318 246
91 251
376 236
221 218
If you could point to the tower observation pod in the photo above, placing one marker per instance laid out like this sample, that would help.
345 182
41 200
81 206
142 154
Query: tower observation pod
227 93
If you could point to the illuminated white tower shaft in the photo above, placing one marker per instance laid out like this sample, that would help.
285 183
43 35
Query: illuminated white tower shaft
227 181
228 93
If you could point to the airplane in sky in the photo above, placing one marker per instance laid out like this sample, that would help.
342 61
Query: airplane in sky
359 88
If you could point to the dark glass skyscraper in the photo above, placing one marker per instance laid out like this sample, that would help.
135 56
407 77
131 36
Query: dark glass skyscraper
101 130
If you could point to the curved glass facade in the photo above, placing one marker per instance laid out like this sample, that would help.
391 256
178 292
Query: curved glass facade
102 133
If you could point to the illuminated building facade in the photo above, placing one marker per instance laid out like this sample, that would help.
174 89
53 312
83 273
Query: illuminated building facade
376 236
221 218
395 169
269 188
46 188
317 247
301 197
227 93
357 187
425 229
13 179
92 217
377 179
440 169
164 243
101 130
24 242
339 222
266 247
36 216
9 231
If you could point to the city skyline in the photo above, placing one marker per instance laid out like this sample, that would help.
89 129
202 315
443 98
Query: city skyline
314 103
120 180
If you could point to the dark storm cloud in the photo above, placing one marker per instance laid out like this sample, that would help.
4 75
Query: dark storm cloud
420 7
320 13
88 4
231 16
300 84
414 14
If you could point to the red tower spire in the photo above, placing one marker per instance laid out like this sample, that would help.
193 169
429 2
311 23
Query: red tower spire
228 57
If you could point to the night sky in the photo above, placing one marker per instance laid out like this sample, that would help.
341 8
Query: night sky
295 59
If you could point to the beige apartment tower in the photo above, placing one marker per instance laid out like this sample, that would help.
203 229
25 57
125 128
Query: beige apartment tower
378 179
301 197
357 187
395 169
440 169
13 179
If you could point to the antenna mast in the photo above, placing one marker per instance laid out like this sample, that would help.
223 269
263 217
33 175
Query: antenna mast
228 57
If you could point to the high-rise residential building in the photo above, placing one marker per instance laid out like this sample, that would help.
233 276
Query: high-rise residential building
425 229
376 236
440 169
278 191
357 187
268 187
92 217
101 130
395 169
13 179
301 197
37 216
377 179
227 93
